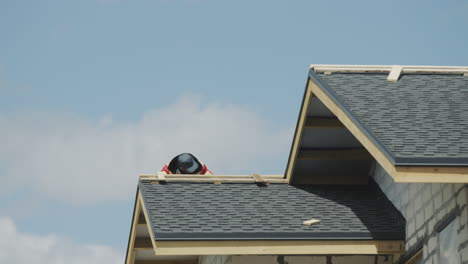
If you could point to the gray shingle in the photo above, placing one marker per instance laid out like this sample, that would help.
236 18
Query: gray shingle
199 211
422 119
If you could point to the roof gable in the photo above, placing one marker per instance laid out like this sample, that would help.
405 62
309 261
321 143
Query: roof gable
179 217
413 122
420 120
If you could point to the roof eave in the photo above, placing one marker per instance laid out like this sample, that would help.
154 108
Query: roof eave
431 162
297 247
401 169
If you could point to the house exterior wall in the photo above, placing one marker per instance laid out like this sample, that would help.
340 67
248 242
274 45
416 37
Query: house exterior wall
426 207
295 260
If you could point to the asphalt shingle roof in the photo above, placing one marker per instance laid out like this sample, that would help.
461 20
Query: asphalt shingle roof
422 119
246 211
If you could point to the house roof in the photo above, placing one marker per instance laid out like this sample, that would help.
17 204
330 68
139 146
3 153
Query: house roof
247 211
412 120
421 119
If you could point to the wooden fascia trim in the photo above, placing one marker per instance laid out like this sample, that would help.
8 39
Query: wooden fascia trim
431 174
130 258
393 70
135 242
298 134
253 178
388 68
289 247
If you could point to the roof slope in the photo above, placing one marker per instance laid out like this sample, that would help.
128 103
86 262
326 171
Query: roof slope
246 211
422 119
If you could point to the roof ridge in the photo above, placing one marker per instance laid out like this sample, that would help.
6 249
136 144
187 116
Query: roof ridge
384 68
393 70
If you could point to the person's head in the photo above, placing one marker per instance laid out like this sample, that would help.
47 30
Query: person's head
186 163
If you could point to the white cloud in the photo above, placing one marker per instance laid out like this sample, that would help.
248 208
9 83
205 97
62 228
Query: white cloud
66 157
18 248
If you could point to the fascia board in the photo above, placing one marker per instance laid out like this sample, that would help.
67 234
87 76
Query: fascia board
298 132
306 247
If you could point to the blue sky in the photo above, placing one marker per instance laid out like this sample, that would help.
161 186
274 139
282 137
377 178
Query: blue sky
94 92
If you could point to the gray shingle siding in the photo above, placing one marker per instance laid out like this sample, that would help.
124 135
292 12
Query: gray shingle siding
422 119
426 207
200 211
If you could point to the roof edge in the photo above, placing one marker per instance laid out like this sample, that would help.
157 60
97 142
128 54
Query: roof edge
296 247
132 226
297 135
388 68
431 162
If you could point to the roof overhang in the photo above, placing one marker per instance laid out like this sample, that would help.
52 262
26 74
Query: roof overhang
400 171
145 246
286 247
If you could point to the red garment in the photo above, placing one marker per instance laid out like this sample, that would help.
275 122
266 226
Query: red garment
204 171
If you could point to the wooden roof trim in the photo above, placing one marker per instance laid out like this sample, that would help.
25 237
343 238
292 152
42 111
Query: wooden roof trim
134 241
298 133
394 74
130 256
284 247
431 174
254 178
399 173
394 71
330 68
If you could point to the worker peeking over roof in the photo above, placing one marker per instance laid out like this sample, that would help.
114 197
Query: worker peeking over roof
186 163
